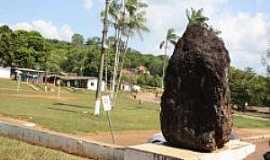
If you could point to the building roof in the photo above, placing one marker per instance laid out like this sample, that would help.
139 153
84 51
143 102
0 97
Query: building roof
29 70
77 78
72 77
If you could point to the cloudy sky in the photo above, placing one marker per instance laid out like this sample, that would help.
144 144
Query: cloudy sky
245 24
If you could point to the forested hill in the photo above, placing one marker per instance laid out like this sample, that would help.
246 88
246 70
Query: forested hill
31 50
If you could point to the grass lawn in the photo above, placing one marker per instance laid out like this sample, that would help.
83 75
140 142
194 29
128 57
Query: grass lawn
13 149
68 114
243 122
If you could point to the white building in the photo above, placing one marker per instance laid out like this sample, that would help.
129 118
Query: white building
5 72
126 87
136 88
92 84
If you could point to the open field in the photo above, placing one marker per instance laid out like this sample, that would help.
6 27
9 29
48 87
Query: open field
13 149
73 112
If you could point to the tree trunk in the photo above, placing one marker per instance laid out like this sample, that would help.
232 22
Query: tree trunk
120 69
106 70
116 63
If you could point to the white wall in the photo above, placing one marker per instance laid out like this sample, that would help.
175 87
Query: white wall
5 72
93 83
126 87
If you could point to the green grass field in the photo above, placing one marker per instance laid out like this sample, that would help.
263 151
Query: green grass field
13 149
68 114
242 122
73 113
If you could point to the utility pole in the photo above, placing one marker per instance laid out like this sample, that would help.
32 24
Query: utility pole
103 52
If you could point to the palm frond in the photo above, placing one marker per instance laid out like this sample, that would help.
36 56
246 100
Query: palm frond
196 17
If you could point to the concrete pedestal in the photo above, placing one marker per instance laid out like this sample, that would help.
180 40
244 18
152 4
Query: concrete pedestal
233 150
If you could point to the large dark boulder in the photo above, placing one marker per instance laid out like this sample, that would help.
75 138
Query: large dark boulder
195 110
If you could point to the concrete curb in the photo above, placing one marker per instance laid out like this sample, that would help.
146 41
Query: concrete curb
65 143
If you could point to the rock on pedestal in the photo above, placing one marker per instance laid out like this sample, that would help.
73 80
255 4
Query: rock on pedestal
195 111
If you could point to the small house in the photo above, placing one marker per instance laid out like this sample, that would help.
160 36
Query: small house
90 83
127 87
26 74
142 70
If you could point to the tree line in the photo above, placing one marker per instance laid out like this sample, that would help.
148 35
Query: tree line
247 86
31 50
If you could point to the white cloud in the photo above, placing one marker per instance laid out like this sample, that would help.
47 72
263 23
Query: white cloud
246 37
47 29
88 4
245 34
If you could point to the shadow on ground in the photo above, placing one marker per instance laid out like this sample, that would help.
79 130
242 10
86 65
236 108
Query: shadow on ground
70 105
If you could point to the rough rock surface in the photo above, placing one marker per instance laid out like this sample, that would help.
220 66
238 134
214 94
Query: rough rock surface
195 111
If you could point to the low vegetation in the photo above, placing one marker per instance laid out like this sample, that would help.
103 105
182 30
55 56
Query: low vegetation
13 149
247 86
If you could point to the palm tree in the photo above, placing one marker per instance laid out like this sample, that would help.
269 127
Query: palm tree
196 17
135 24
116 21
171 37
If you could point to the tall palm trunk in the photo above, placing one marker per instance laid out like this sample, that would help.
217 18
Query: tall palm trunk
164 65
121 68
106 70
116 63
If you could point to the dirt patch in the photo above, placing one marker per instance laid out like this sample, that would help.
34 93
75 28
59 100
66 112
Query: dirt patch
21 121
124 138
148 97
248 132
